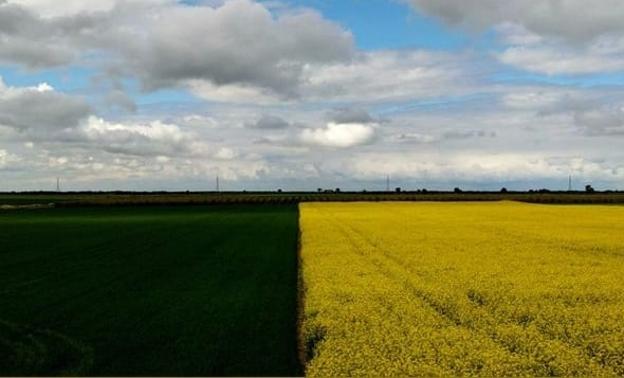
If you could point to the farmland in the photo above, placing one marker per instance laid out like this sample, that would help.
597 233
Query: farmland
105 199
493 289
384 288
149 291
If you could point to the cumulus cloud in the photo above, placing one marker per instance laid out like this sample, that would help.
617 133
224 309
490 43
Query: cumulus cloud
535 99
291 97
28 39
248 47
40 109
225 153
544 36
118 98
552 58
369 77
143 139
387 75
574 20
339 135
51 8
593 112
269 122
252 55
6 159
351 115
40 113
605 120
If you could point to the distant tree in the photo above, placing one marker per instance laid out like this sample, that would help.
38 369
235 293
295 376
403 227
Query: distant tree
398 190
589 189
457 190
424 190
320 190
504 190
279 190
337 190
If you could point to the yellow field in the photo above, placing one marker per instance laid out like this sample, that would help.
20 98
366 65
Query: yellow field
463 289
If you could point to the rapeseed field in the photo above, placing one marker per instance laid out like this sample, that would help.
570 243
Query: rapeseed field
455 289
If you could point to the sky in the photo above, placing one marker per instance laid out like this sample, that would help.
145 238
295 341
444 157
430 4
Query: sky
306 94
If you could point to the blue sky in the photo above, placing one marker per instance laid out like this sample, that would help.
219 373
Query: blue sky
382 24
305 93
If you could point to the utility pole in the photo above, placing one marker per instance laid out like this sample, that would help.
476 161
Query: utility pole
58 184
388 183
218 186
570 183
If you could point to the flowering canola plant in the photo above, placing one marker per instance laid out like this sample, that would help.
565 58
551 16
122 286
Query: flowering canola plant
456 289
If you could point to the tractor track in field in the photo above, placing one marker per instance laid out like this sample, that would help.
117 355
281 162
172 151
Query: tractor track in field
427 299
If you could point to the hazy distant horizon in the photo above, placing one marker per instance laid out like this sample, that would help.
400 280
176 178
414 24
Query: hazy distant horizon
372 186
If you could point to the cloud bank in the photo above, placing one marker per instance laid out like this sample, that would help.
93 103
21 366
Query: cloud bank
164 94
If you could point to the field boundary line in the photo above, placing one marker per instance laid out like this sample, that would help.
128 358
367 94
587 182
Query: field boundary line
301 291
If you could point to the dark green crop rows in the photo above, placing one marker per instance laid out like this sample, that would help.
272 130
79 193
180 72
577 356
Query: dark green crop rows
149 291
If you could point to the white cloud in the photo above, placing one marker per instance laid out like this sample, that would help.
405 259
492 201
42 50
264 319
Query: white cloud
536 100
283 82
387 75
340 135
556 59
248 46
197 121
605 120
6 159
97 127
549 37
412 137
550 56
269 122
252 56
575 20
516 34
225 153
154 138
479 167
368 77
39 109
249 49
51 8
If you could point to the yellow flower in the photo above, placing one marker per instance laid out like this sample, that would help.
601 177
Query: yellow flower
455 289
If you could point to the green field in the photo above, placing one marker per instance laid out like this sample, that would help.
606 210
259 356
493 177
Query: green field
149 291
